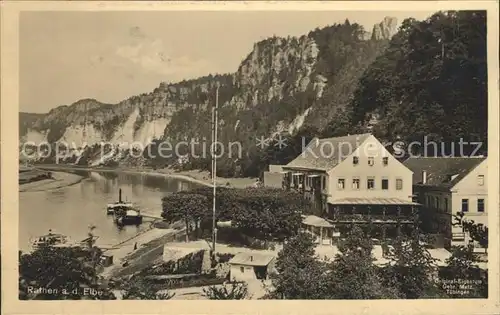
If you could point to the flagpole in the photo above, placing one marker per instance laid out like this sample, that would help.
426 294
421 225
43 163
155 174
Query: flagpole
214 167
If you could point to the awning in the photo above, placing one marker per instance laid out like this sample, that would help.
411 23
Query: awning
373 201
313 220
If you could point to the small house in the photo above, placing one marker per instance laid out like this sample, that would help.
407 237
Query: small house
447 185
251 266
106 260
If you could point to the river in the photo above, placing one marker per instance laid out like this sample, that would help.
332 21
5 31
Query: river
71 210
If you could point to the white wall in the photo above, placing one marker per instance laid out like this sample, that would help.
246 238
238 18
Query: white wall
469 188
347 170
237 274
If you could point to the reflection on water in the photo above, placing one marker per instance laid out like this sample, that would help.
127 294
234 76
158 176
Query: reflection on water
70 210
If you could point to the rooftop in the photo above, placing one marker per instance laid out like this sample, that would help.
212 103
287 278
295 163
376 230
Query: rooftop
441 171
313 220
251 259
324 154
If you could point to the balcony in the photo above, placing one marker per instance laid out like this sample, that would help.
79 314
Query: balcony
375 218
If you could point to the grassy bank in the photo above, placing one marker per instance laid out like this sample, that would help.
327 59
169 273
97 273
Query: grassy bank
32 175
43 183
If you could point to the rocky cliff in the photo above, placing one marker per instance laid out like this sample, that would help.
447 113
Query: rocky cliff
283 84
385 29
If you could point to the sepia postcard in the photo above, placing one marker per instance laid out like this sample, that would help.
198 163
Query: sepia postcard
340 156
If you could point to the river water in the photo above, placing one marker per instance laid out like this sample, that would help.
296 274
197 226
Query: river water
71 210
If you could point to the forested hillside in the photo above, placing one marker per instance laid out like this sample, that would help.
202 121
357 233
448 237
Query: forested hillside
429 79
430 82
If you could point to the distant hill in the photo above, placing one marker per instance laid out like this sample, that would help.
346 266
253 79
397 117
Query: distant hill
427 79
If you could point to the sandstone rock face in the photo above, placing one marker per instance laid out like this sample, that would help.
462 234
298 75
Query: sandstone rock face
277 72
385 29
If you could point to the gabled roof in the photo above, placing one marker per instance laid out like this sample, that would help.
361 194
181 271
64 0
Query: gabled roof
325 154
441 171
251 259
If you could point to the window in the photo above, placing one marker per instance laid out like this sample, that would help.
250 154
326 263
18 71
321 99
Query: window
446 204
480 205
341 183
385 184
437 203
429 201
242 269
324 182
370 184
355 160
371 161
385 161
480 180
399 184
465 205
355 183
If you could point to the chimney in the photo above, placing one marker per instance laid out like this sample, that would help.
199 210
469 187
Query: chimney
120 195
424 177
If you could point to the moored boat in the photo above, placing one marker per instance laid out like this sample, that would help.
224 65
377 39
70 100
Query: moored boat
124 212
50 239
130 216
119 205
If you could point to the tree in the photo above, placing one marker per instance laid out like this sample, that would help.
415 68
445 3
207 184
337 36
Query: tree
462 265
265 213
138 290
461 262
67 271
414 85
186 207
353 273
478 232
299 274
233 291
410 269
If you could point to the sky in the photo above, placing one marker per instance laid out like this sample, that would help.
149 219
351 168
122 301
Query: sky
110 56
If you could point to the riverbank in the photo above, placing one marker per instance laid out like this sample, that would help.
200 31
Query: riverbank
58 180
149 249
194 176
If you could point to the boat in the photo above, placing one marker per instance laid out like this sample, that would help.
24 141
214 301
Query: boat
124 212
50 239
119 205
130 216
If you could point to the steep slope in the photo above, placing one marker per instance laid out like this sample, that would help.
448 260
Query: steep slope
431 82
281 86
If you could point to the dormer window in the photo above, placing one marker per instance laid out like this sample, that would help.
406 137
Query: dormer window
480 180
385 161
355 160
371 161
